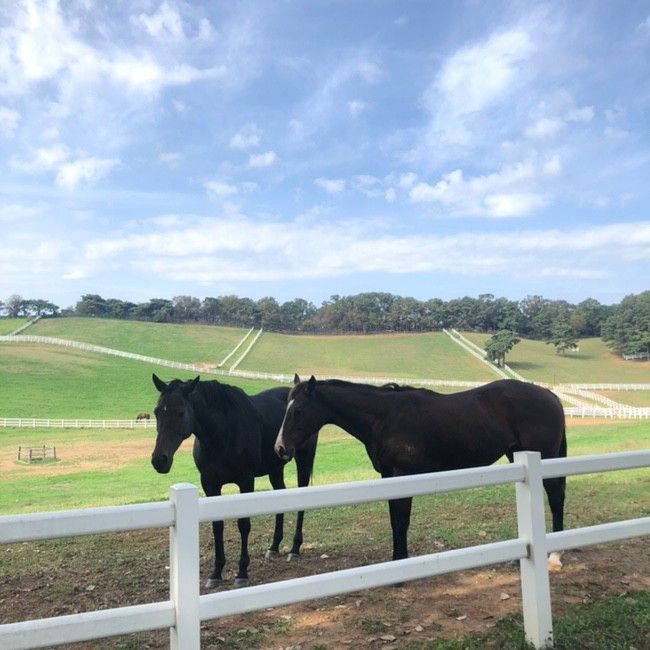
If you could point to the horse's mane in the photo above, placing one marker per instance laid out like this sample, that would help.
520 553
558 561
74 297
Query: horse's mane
391 387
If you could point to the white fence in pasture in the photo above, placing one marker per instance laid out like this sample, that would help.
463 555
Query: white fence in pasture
183 612
72 423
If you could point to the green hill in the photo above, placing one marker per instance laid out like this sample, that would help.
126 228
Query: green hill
593 363
9 325
432 356
188 343
49 381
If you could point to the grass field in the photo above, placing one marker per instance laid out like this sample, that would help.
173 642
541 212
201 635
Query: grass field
629 397
432 355
186 343
55 382
9 325
594 363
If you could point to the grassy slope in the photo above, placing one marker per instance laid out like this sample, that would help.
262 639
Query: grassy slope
187 343
431 355
594 363
9 325
51 381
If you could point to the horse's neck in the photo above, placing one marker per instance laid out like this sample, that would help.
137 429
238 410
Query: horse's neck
353 412
206 430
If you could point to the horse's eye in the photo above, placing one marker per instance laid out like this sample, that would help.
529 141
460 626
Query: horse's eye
181 413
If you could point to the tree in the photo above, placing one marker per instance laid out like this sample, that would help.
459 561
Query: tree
15 306
499 345
563 336
627 330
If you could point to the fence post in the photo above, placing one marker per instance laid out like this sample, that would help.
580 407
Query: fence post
535 586
184 568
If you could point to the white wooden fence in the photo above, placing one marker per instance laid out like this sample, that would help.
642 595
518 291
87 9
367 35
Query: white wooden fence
183 612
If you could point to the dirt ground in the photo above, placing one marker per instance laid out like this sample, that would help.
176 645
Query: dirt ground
92 575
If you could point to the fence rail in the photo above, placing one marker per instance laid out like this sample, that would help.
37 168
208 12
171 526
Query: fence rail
185 609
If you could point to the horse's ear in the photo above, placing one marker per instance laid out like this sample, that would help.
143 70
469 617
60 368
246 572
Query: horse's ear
188 388
158 383
296 379
311 384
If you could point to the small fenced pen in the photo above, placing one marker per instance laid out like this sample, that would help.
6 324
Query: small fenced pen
31 454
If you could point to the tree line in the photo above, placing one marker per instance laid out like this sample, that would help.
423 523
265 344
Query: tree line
625 327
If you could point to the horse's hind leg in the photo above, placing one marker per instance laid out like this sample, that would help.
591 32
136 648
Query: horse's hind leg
555 491
276 478
400 517
244 525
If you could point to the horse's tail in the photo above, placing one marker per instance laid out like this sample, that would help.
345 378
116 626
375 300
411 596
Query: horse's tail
563 446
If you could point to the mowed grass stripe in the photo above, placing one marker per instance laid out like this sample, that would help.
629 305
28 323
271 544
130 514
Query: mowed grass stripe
427 356
46 381
594 363
177 342
9 325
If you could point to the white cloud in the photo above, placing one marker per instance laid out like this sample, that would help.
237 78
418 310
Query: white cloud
390 195
355 107
214 250
42 45
170 158
46 158
8 120
220 189
473 79
164 25
248 137
545 128
261 160
331 185
584 114
70 174
507 193
406 181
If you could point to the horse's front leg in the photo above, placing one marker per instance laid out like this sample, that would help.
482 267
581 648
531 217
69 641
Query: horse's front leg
212 490
276 478
244 525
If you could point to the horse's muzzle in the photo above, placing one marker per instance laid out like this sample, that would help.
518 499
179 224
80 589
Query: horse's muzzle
162 463
283 452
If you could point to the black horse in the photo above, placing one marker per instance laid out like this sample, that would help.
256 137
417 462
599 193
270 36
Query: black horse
413 430
233 443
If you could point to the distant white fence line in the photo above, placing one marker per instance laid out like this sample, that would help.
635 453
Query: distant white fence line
475 351
24 326
223 361
608 387
186 608
246 351
75 423
580 408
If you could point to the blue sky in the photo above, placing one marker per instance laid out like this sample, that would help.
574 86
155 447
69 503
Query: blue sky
304 149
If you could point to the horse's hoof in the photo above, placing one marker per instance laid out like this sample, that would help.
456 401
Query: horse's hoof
293 556
211 583
241 582
269 554
554 564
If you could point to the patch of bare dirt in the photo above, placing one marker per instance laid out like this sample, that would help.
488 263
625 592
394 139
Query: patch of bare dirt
132 568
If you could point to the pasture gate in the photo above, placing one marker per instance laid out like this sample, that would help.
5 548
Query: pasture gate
186 608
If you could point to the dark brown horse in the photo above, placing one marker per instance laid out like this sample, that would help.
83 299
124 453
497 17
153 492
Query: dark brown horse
233 443
412 430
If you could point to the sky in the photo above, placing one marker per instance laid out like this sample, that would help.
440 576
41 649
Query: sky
305 149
